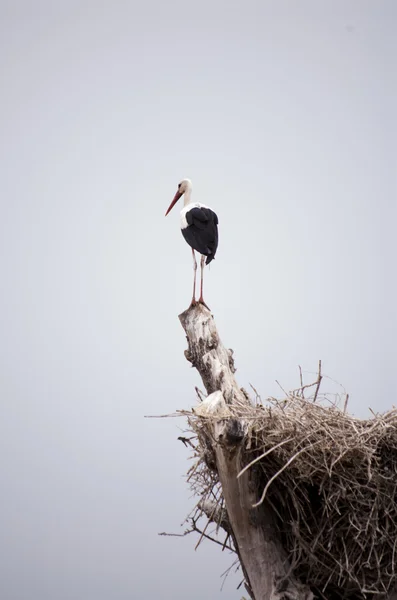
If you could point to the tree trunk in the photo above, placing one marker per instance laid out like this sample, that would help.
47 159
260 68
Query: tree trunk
257 540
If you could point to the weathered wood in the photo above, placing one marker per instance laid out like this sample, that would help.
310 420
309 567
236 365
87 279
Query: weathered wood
216 514
207 353
257 540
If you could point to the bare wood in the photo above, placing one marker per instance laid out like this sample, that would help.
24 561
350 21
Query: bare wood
216 514
207 353
255 536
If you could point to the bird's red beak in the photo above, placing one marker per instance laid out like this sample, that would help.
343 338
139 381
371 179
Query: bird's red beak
175 200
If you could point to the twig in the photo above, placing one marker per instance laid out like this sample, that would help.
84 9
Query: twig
205 529
263 456
300 376
294 457
318 381
281 387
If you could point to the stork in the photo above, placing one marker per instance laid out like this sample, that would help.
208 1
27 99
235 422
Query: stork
199 225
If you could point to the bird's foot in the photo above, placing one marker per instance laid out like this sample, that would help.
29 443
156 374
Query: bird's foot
193 303
201 301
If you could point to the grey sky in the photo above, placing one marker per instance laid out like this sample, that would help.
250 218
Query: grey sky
283 115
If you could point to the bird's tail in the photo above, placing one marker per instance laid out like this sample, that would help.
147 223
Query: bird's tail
209 258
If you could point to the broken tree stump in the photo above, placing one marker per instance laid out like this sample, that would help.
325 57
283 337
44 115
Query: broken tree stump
257 540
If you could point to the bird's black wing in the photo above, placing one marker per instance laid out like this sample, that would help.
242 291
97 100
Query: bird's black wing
197 217
200 217
202 231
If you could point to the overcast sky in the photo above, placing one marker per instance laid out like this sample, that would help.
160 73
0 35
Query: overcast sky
283 114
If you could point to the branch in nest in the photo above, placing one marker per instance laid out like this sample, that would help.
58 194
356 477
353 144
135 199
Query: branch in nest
318 381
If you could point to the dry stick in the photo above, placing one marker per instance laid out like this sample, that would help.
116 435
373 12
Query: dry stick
280 471
301 378
197 530
318 381
176 534
211 539
195 467
257 395
393 555
200 394
178 413
205 528
263 456
281 387
226 573
303 387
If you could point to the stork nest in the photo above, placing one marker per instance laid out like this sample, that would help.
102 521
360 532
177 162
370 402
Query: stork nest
331 480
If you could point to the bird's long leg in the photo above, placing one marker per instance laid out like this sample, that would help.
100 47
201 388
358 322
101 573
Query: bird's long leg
201 299
193 302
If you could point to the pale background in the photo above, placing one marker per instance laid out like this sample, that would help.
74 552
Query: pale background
283 115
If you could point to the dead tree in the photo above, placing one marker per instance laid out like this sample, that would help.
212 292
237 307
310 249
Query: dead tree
262 557
304 486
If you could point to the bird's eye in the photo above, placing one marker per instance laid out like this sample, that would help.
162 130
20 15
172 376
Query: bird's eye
179 185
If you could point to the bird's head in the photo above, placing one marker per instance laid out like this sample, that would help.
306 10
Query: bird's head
184 186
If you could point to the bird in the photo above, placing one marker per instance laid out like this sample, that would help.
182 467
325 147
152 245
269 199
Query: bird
199 226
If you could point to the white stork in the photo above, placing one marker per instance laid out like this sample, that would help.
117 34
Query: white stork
199 225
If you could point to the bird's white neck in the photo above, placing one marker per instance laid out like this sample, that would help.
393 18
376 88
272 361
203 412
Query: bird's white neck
187 196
